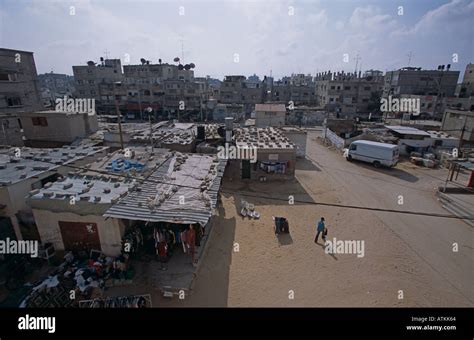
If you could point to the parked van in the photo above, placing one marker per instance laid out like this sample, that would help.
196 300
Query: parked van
375 153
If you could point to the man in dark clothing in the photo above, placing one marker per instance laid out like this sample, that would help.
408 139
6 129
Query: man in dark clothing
320 229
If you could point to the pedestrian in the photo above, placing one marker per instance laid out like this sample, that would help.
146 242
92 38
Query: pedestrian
320 229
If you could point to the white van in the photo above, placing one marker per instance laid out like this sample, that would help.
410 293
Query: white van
375 153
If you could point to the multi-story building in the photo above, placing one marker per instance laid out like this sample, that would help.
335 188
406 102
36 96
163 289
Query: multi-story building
19 87
299 88
467 85
414 80
54 86
11 132
239 90
270 115
89 79
348 93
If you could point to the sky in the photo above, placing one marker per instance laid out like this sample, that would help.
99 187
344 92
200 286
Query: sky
244 37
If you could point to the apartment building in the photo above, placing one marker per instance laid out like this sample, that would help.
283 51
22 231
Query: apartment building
19 87
54 86
414 80
467 85
237 89
348 93
90 77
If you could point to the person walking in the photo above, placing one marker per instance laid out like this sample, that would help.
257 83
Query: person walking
320 229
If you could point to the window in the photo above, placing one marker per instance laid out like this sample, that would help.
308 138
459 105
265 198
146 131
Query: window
333 87
353 147
347 87
367 88
14 101
39 121
91 82
4 76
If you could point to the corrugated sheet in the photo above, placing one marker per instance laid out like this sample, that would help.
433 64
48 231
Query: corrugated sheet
129 208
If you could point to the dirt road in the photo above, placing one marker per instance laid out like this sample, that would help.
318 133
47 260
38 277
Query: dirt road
408 260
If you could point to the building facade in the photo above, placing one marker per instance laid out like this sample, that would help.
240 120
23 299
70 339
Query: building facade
19 86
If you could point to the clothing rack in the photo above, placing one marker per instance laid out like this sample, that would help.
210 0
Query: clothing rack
135 301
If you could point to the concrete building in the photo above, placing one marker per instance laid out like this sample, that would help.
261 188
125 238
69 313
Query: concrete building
349 93
19 87
23 170
414 80
56 128
298 88
54 86
88 79
270 115
237 89
298 137
457 123
221 111
11 133
81 226
276 154
467 85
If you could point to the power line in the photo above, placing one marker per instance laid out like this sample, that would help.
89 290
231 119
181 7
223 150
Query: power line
147 179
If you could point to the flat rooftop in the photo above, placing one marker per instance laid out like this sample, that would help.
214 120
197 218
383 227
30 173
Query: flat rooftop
18 164
262 138
133 161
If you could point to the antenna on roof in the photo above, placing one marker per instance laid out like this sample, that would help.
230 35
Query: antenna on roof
409 55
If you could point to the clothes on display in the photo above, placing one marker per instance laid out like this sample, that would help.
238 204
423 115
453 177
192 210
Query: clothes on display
136 301
274 167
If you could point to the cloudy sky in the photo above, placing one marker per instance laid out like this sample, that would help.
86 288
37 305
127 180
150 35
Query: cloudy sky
284 37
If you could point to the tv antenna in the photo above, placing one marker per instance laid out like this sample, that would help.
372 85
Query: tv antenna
409 55
106 54
357 58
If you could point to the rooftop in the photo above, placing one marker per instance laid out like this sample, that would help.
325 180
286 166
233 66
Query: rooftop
270 107
133 161
407 130
18 164
168 133
92 189
182 190
261 138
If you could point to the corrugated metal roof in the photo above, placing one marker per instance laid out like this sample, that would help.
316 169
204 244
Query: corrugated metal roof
407 130
135 206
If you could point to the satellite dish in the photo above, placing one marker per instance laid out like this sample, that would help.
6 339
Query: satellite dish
176 59
192 65
149 109
187 67
101 59
180 67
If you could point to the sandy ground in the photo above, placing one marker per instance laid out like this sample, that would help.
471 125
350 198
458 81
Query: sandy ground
407 253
